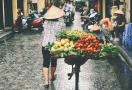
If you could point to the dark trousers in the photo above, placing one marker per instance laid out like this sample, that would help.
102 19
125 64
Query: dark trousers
47 59
119 31
19 22
112 33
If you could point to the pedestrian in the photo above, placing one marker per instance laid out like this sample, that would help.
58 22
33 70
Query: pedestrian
119 25
51 25
100 36
72 11
19 18
61 6
85 9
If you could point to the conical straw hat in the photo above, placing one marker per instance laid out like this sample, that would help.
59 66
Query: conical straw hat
95 27
53 13
119 12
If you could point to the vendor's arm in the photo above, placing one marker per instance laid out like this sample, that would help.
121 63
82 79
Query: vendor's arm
103 37
123 24
123 20
104 41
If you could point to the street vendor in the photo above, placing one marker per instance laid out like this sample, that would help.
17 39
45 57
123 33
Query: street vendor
97 30
51 25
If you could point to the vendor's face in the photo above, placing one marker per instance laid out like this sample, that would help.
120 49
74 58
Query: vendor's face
118 15
96 32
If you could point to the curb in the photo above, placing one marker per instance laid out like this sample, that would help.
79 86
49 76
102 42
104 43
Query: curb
6 36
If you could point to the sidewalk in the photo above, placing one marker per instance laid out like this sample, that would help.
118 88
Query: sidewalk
5 34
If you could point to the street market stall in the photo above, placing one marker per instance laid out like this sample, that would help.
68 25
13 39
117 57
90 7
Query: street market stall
77 46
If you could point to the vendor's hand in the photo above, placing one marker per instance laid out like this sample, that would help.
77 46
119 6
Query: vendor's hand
119 26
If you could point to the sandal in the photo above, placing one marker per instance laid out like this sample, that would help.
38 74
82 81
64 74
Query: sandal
46 86
55 75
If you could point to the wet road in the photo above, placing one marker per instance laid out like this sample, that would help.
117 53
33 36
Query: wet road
21 67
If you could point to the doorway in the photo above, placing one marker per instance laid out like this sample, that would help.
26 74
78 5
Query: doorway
1 15
20 4
8 13
108 8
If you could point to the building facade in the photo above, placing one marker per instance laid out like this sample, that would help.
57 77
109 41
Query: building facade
105 8
8 10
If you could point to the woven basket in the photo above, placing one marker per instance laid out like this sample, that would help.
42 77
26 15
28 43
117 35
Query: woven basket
70 60
55 56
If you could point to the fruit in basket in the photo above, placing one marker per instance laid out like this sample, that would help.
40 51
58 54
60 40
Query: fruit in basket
53 50
61 33
57 43
66 49
67 44
88 43
75 34
64 45
108 50
63 41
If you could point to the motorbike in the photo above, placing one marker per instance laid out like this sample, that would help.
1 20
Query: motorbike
78 7
41 13
67 18
89 21
32 21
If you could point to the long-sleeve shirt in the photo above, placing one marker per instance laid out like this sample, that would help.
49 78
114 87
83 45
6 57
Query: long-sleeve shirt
101 36
50 30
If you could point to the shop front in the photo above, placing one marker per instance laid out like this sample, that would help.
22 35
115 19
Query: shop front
1 15
8 13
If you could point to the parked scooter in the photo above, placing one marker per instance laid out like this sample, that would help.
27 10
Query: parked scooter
32 21
89 21
41 13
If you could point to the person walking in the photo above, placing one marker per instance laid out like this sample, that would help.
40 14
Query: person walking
119 25
51 25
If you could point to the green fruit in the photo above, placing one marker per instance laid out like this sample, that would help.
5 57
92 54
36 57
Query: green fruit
63 41
61 49
67 44
53 50
66 49
70 48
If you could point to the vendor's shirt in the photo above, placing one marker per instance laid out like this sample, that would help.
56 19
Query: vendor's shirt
101 36
120 20
50 30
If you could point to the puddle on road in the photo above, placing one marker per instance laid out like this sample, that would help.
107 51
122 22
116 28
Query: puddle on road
123 73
